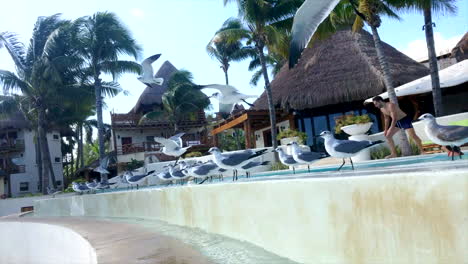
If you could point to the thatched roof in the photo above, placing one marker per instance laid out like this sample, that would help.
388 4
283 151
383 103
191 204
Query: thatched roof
16 121
153 95
340 69
460 52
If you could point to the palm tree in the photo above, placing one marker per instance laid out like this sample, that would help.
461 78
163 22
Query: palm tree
181 100
370 11
225 51
103 38
42 76
260 21
427 7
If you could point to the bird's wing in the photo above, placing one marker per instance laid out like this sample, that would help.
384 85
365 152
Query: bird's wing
452 133
168 143
306 21
289 160
178 139
204 169
310 156
105 162
136 178
147 67
224 89
237 158
351 146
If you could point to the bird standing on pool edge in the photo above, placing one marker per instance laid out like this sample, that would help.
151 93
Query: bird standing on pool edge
345 148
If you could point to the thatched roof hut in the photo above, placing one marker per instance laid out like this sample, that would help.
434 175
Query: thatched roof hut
153 95
340 69
460 51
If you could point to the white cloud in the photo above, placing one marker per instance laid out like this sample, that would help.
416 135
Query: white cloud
417 49
137 12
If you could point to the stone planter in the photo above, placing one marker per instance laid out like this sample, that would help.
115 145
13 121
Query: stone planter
358 132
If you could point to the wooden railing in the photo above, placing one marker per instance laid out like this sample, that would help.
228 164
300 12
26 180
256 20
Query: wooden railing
13 169
155 147
132 120
11 145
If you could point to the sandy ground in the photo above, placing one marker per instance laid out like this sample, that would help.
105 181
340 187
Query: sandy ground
125 243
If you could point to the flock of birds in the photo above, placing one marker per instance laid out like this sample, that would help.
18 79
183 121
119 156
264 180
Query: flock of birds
246 160
306 21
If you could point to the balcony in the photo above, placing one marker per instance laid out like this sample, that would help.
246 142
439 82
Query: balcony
11 145
156 147
132 121
14 169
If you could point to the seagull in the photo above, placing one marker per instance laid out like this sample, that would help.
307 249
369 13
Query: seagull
173 145
148 74
228 95
345 148
305 157
177 174
204 170
453 136
165 176
251 165
234 161
306 21
136 179
92 185
102 168
79 188
286 159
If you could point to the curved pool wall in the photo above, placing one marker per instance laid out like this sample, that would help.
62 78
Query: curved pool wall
24 242
389 217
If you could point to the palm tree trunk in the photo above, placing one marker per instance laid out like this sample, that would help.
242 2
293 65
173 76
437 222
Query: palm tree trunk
80 154
72 164
404 144
97 89
271 106
432 57
39 160
42 139
236 130
226 76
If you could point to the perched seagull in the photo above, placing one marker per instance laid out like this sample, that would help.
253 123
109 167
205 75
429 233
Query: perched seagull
252 165
286 159
228 95
177 174
305 157
345 148
102 168
136 179
92 185
79 188
453 136
234 161
204 170
148 74
306 21
173 145
165 176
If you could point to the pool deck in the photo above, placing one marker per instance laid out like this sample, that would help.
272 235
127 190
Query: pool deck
117 242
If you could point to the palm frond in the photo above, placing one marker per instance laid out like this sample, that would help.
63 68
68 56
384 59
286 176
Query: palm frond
11 82
256 77
15 48
117 68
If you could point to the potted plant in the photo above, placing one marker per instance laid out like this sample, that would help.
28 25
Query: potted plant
353 125
289 135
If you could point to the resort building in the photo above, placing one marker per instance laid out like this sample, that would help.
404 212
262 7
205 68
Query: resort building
18 167
332 78
132 139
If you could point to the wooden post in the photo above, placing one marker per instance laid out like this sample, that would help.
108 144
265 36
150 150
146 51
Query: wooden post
292 124
248 136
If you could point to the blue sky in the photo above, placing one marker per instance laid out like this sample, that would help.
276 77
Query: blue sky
180 30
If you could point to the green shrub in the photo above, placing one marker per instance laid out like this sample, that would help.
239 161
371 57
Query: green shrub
351 119
134 164
287 133
194 154
382 152
278 166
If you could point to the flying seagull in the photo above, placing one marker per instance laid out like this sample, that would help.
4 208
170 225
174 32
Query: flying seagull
234 161
172 146
345 148
306 21
286 159
102 168
305 157
148 74
228 95
453 136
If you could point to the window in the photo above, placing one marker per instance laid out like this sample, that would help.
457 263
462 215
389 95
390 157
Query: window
149 139
58 183
309 131
57 159
24 186
55 136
